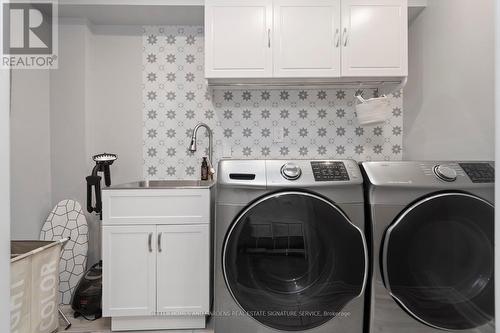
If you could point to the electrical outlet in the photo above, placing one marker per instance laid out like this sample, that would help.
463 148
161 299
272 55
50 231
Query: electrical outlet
278 134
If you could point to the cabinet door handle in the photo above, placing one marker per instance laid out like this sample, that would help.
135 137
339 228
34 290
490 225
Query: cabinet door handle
269 38
159 241
150 238
337 37
345 36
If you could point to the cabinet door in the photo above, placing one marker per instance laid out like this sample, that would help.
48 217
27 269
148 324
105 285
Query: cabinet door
238 38
129 270
183 266
306 38
375 38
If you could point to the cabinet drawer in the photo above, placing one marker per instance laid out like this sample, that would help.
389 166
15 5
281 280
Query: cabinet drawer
169 206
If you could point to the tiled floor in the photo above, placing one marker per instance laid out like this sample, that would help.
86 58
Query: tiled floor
103 325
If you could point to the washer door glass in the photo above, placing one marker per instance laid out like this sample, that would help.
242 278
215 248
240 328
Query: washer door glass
293 260
437 261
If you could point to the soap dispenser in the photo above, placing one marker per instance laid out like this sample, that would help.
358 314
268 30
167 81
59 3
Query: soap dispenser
204 169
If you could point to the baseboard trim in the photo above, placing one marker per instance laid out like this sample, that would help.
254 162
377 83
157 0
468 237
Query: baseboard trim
157 323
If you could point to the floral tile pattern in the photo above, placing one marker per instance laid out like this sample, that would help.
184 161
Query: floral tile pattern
313 123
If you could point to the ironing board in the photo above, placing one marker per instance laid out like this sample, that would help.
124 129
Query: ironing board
67 220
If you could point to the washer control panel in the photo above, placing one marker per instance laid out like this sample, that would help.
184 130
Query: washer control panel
329 171
479 172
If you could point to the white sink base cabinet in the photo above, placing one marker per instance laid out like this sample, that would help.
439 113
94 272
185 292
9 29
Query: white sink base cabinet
156 250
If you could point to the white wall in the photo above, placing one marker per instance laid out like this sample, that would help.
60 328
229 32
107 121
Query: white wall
91 104
115 98
30 147
114 104
448 102
68 91
4 200
67 116
96 104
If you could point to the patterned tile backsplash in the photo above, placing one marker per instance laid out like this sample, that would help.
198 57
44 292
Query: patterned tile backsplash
314 123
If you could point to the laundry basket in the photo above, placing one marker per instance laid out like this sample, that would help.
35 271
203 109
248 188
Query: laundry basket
34 285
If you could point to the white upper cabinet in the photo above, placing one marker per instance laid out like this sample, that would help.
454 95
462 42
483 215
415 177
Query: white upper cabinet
374 38
306 38
238 34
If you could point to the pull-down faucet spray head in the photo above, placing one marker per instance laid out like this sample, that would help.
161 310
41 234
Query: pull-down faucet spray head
192 146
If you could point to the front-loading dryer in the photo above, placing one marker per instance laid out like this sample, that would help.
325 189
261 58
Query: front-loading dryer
431 231
290 248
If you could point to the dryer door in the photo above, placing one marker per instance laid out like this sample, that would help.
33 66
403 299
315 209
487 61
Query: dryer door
293 260
437 261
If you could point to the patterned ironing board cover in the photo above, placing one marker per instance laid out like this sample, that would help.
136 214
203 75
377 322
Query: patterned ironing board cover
67 219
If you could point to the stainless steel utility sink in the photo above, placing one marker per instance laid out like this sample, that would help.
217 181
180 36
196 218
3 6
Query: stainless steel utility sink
164 184
172 183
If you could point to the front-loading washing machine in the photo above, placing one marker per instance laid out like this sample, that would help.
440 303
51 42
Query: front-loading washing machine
290 248
431 230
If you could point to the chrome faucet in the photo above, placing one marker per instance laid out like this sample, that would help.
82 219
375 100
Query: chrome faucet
192 146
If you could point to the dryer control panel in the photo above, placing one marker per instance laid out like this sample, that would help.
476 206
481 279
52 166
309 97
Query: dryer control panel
431 174
479 172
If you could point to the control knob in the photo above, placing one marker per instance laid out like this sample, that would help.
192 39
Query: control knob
445 172
291 171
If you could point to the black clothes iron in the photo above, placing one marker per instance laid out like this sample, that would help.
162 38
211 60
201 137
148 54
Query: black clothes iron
103 161
86 300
